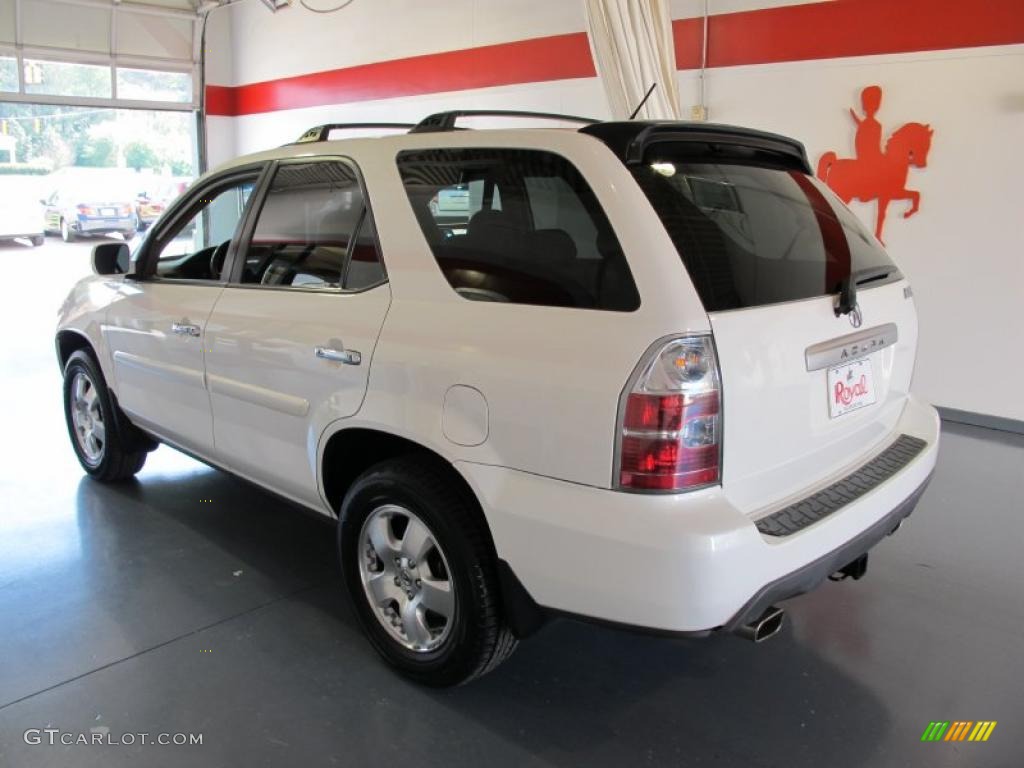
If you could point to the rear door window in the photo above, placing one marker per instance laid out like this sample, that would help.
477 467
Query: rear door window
751 236
519 226
314 231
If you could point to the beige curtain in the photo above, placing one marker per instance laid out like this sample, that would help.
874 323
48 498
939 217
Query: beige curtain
631 41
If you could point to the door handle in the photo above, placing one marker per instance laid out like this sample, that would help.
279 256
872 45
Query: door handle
185 329
346 356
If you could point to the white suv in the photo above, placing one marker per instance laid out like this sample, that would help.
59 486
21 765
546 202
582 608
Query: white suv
651 374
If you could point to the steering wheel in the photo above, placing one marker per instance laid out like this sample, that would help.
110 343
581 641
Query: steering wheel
217 259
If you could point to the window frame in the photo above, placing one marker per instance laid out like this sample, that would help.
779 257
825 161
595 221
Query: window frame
182 210
234 264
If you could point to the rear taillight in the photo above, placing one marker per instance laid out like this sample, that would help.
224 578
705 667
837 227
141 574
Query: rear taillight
670 421
86 210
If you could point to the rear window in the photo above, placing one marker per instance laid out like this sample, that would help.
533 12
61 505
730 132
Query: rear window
751 236
519 226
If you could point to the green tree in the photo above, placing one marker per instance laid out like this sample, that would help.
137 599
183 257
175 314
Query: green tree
138 156
49 133
96 153
182 168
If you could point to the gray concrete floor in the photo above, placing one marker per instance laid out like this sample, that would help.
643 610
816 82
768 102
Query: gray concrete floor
142 608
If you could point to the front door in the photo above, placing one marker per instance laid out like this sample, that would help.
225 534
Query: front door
291 337
156 329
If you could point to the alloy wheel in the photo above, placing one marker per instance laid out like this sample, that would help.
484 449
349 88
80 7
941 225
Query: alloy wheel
406 578
87 418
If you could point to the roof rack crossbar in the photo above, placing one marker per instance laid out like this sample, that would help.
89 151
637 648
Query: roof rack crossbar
321 132
445 121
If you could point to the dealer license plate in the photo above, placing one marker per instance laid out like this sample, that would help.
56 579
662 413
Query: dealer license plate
850 386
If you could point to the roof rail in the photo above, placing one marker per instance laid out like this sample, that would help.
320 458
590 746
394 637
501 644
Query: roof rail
321 132
445 121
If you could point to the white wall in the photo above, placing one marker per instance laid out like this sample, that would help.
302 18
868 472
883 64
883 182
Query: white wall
964 250
295 41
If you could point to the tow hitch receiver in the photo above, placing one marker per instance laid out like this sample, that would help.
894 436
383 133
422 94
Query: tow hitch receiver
853 570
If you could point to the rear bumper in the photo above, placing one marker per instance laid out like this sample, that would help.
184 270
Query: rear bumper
99 226
686 563
810 576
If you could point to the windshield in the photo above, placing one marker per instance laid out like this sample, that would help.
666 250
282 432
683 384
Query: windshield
751 236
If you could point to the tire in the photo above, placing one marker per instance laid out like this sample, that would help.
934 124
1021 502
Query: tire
474 638
66 233
117 450
38 240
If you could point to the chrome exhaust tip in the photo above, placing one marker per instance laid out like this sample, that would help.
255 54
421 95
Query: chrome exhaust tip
763 627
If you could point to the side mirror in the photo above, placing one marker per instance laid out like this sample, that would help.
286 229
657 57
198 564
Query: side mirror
110 259
42 201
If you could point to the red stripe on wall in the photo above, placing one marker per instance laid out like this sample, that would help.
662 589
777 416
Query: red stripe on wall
829 30
220 100
560 57
821 30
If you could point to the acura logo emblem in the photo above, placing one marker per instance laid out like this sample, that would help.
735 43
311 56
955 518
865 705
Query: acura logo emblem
855 316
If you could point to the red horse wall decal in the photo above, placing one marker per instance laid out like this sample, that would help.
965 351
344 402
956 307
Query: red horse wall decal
875 174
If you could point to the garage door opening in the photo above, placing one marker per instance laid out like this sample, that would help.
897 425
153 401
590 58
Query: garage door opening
78 172
99 106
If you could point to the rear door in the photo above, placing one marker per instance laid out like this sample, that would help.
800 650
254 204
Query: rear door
291 337
807 392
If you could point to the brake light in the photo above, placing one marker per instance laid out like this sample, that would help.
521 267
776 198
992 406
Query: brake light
125 210
670 434
86 210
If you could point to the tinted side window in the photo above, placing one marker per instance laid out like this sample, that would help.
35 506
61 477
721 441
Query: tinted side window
312 223
195 249
520 226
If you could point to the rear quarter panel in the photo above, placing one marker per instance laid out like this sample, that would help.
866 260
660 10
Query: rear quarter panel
551 376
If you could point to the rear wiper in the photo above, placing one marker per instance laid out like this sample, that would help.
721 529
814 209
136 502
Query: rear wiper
847 289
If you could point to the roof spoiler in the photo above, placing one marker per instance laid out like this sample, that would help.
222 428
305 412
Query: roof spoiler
631 140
